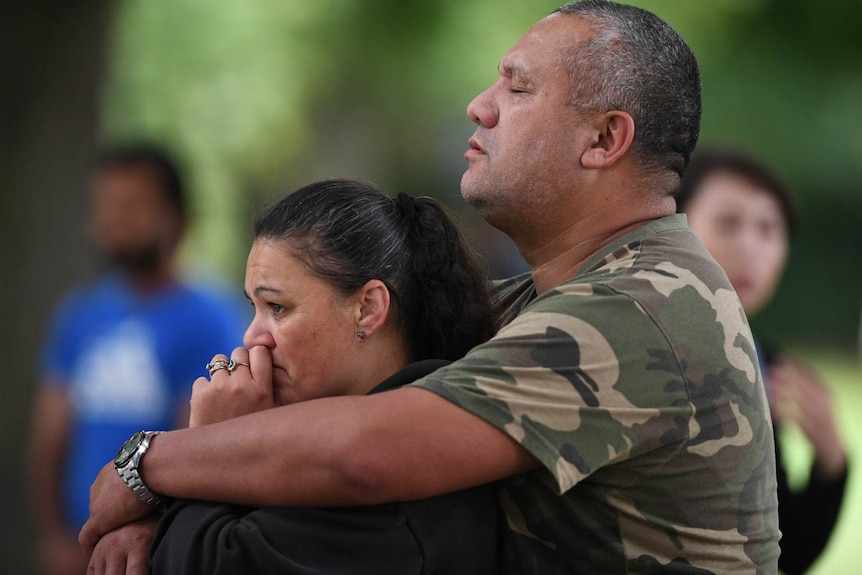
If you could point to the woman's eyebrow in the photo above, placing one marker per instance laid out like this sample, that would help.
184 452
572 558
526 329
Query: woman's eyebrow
264 289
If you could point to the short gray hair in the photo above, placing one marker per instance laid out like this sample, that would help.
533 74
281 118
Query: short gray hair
636 63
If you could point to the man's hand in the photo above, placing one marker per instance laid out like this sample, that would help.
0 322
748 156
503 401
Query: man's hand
112 504
124 551
228 394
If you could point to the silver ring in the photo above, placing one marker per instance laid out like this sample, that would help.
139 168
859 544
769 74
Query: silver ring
216 365
233 363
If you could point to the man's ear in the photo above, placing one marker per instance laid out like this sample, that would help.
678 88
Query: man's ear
372 306
613 138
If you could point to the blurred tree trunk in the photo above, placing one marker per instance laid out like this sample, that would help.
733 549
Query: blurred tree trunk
52 56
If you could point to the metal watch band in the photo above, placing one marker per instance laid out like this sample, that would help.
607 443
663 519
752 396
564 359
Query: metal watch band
129 472
133 479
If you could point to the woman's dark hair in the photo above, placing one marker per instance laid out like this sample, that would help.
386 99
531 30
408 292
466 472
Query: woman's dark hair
709 161
348 232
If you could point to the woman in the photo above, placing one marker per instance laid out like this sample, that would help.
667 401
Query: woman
744 216
353 293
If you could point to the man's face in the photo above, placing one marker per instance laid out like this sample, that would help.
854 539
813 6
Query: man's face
525 150
132 222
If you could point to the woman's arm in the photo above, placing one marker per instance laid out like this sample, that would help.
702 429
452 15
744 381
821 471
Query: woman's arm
220 539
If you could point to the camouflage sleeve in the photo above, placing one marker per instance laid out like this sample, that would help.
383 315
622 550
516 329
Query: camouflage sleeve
582 378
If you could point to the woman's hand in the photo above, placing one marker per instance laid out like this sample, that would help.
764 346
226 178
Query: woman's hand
798 395
229 393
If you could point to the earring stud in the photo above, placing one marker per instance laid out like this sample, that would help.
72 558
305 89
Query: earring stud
361 334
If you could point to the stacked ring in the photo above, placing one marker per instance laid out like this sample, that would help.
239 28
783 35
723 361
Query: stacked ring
222 363
218 364
233 363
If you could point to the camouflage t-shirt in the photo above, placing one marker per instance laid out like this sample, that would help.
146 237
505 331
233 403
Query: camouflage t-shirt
637 387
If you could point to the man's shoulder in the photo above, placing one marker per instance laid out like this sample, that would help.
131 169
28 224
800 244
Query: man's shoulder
83 298
667 239
647 266
660 265
658 284
205 294
213 310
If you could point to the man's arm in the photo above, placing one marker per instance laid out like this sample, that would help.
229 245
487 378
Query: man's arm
124 551
46 457
400 445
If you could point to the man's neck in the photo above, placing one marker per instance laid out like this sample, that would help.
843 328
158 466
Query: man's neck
151 280
559 258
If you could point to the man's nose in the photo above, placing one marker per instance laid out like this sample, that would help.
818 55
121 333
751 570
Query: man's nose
483 109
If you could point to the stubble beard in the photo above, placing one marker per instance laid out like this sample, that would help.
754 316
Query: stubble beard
492 199
142 261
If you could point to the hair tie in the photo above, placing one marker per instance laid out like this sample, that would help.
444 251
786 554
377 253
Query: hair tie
407 204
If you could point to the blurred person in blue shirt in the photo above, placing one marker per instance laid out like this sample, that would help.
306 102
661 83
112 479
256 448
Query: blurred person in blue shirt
121 352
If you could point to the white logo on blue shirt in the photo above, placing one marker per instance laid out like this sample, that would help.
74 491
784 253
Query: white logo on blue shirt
118 378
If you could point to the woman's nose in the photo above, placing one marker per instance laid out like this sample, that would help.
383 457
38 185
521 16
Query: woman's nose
256 334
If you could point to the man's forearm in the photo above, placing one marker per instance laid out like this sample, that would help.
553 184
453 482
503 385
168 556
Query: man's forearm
399 445
260 460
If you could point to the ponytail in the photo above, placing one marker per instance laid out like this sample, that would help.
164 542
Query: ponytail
347 232
444 303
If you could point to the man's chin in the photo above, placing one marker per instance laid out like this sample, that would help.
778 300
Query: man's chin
473 191
480 200
139 262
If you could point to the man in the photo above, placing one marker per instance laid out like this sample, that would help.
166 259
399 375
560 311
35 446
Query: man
122 351
744 215
620 406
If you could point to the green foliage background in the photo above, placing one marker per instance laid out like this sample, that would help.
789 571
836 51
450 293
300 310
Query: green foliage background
260 96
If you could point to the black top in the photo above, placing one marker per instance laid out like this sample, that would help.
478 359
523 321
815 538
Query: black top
806 517
452 534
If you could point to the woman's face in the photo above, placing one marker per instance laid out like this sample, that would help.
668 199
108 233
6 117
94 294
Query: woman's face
309 327
744 229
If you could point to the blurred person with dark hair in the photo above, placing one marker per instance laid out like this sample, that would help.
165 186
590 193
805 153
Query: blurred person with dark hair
619 410
354 293
745 217
122 351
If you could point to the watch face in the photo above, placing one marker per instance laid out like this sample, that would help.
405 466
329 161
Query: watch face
128 449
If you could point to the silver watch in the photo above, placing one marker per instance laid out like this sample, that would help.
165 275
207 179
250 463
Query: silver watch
128 460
